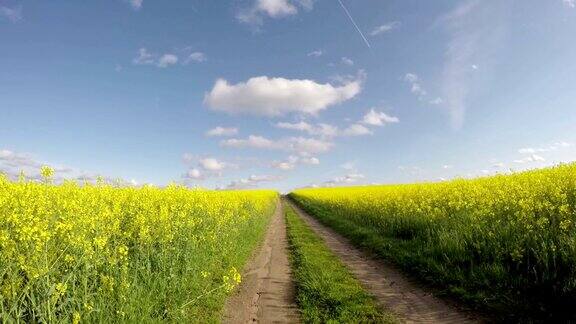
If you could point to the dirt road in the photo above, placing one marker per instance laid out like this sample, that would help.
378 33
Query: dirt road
266 294
393 290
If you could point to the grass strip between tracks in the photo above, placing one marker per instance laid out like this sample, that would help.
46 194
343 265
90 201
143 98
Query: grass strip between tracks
325 290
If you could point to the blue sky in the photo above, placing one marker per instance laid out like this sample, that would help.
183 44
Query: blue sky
286 93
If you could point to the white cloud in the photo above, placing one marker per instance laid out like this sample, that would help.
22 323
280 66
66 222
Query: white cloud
136 4
307 146
13 15
376 118
194 174
264 96
437 101
550 148
300 126
292 161
272 9
385 28
144 57
306 4
356 130
529 150
530 158
417 90
167 60
284 165
372 118
415 86
197 57
498 165
569 3
252 181
411 77
211 164
301 145
222 131
562 144
316 53
253 141
276 8
346 179
321 129
447 167
18 161
310 160
188 158
263 178
13 163
326 130
347 61
201 168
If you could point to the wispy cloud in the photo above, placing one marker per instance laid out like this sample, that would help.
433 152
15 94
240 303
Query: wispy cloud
436 101
472 41
411 170
197 57
328 131
222 131
569 3
13 15
347 61
292 161
316 53
145 57
549 148
344 180
382 29
356 130
300 145
323 130
530 158
320 129
415 87
136 4
252 181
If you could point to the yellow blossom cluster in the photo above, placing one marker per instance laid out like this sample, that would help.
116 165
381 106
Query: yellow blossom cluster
490 238
101 252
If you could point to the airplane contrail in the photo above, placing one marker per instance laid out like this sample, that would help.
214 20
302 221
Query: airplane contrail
354 23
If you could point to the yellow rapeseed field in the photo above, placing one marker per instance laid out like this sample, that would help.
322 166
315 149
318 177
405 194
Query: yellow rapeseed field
506 241
101 253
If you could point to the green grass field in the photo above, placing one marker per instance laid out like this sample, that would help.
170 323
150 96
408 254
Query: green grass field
326 291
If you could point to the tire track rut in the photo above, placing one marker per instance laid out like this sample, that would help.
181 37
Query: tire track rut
266 294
